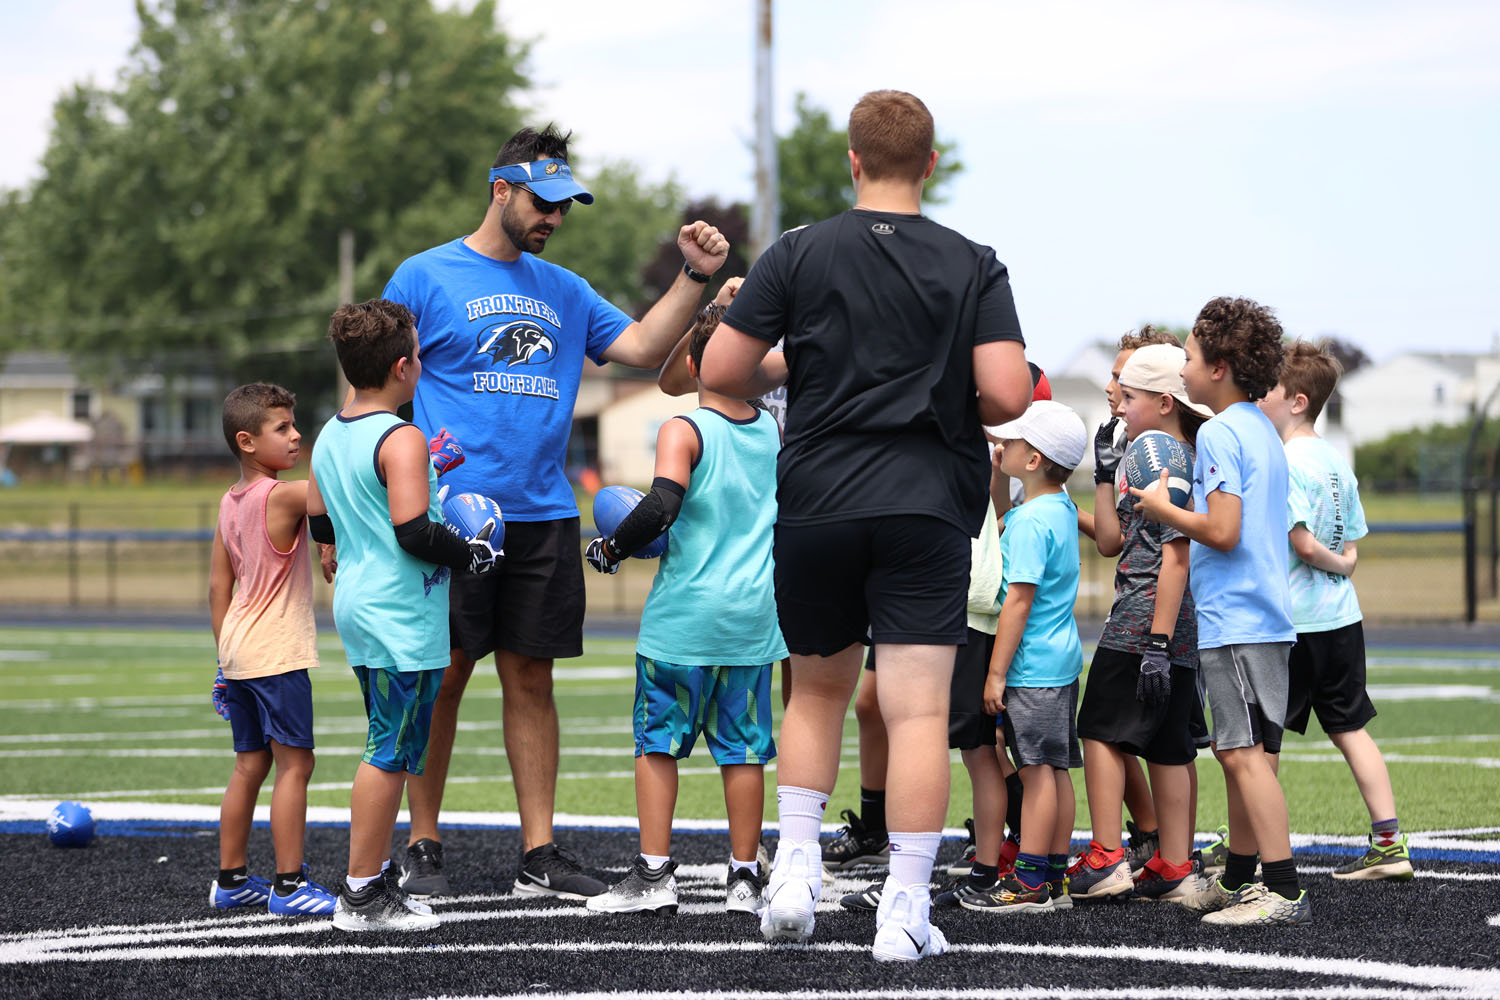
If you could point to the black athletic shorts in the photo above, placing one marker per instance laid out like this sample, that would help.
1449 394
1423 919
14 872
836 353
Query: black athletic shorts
1198 721
532 604
905 578
968 725
1110 712
1328 677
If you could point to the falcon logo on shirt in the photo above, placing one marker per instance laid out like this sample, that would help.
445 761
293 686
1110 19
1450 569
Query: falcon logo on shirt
518 343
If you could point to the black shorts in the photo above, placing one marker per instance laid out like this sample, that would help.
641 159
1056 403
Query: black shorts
1198 721
532 604
905 578
1110 712
968 725
1327 676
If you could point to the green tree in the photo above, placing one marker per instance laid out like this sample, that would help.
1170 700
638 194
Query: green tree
190 216
610 241
813 163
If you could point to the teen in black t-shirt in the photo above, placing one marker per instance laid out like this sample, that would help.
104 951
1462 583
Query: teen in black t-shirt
901 340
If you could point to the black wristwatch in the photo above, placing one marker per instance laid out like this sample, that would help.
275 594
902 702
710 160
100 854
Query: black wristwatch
697 276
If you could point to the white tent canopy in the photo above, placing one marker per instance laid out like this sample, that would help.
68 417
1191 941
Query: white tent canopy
46 428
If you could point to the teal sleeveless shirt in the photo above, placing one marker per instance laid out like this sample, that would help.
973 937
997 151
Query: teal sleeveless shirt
391 608
713 602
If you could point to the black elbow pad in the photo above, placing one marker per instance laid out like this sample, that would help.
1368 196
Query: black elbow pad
651 517
320 526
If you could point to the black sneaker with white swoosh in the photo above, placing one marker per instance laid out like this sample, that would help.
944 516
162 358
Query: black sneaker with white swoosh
550 871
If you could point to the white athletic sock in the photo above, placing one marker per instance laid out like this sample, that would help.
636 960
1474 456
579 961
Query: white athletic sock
655 861
801 812
384 865
356 884
735 864
912 855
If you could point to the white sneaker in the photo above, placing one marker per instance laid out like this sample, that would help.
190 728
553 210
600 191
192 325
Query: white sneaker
373 908
742 889
796 882
1209 896
643 889
903 928
1255 904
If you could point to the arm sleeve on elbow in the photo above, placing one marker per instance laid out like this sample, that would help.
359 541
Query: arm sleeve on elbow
651 517
320 526
432 542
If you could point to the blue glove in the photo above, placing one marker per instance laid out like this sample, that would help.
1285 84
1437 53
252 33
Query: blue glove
1154 686
598 556
445 452
221 695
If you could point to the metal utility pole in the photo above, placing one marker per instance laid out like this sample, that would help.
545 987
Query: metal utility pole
765 224
346 296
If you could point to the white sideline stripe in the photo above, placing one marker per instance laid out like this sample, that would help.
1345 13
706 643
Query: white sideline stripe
323 751
324 726
1017 993
1478 982
1394 758
20 808
1494 921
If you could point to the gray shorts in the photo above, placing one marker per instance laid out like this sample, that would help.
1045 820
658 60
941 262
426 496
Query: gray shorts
1041 727
1245 686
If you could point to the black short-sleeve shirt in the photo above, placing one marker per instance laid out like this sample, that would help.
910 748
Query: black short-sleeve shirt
880 312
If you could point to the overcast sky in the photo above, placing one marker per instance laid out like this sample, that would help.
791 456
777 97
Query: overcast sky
1128 161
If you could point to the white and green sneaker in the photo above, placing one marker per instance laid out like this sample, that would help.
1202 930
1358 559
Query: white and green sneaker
1255 905
1209 896
1391 863
1216 855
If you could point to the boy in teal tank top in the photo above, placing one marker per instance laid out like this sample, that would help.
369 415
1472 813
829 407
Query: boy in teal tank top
708 634
371 493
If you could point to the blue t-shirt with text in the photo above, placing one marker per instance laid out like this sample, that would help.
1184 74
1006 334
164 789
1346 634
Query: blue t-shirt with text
502 349
1040 546
1242 595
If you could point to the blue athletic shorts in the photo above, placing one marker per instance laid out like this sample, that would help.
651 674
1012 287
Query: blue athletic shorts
277 708
730 706
398 704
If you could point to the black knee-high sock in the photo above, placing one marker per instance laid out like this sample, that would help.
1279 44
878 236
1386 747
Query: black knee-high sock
872 810
1013 789
1281 877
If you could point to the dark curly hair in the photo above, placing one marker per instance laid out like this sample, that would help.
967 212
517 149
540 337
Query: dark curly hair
370 337
1246 336
1136 339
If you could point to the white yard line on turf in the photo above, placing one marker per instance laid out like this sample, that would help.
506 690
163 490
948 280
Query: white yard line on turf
324 725
1472 982
1013 993
1394 758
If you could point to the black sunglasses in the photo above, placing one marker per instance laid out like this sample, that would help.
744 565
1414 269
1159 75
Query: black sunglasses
545 207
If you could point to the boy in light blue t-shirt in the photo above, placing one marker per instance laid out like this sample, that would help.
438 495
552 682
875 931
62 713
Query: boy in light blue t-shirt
709 631
1325 520
1238 572
1033 675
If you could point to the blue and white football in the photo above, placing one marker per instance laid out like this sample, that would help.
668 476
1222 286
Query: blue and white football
70 824
466 514
1152 452
611 504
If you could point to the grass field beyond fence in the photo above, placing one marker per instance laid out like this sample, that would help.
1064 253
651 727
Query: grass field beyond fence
123 715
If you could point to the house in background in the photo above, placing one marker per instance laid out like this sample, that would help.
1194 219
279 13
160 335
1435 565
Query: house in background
137 422
1413 390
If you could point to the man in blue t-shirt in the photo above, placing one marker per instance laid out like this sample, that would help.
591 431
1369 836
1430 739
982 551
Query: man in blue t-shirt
504 337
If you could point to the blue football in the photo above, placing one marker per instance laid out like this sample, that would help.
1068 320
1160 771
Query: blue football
1152 452
466 514
70 824
611 504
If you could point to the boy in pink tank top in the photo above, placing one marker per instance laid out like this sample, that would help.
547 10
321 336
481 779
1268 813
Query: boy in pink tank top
260 601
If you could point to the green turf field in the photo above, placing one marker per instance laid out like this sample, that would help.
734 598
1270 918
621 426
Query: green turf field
123 715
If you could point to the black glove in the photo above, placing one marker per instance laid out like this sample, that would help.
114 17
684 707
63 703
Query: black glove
599 557
483 556
1154 686
1107 451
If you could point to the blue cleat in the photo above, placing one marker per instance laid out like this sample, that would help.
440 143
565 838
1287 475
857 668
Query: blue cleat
308 899
253 892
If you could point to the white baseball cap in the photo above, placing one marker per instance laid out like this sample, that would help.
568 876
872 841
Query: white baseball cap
1158 368
1052 429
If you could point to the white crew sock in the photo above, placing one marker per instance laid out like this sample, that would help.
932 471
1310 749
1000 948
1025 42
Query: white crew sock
912 855
656 861
801 812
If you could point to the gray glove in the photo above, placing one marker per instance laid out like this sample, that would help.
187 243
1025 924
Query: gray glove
1107 451
1154 686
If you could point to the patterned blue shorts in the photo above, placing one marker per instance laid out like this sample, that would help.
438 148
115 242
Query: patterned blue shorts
398 704
730 706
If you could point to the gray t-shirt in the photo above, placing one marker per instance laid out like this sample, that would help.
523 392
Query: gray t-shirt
1136 574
